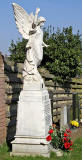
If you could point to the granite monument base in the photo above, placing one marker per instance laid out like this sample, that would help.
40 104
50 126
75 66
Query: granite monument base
33 121
25 146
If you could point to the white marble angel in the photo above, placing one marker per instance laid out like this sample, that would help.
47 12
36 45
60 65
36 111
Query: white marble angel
30 28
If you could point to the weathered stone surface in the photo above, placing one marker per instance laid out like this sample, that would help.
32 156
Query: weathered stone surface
55 119
63 120
26 147
13 78
11 66
58 152
45 73
52 89
49 83
34 99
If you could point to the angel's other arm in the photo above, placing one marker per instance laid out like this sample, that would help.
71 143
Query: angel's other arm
32 31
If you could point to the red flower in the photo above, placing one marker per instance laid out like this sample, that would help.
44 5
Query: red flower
48 138
71 143
68 130
66 139
50 131
67 145
69 135
65 134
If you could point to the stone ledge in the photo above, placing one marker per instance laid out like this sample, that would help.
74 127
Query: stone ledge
30 154
29 146
58 152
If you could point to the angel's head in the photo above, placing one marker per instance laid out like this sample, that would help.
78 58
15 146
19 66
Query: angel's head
41 21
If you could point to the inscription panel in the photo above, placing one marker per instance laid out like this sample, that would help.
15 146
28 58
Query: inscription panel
47 112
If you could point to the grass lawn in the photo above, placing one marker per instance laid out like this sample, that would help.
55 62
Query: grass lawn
76 154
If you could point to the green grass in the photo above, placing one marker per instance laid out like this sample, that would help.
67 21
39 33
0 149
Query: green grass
76 154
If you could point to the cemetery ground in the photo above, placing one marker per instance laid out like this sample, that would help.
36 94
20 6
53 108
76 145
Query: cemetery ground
76 154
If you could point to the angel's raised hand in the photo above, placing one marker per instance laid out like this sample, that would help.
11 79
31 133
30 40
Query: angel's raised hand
37 10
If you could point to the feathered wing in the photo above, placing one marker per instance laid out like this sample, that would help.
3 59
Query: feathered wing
23 20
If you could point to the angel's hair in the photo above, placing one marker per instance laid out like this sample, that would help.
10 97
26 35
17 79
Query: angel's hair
41 19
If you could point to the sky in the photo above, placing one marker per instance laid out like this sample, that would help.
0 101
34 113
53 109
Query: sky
58 13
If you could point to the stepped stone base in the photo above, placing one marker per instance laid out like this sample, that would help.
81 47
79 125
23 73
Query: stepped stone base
22 146
33 121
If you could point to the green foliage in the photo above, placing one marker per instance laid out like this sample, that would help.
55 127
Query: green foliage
18 51
57 139
62 57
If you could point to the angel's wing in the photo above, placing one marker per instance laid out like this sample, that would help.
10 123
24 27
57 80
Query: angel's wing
23 20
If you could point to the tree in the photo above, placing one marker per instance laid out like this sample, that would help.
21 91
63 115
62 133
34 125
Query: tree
62 58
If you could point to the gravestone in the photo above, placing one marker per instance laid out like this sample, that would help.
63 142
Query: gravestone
63 119
68 115
33 121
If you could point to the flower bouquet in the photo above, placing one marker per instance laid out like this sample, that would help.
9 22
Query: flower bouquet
60 139
74 124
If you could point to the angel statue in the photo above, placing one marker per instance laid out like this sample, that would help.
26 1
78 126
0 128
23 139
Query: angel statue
29 26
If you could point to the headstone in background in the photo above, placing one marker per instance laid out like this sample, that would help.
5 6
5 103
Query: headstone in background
68 115
63 120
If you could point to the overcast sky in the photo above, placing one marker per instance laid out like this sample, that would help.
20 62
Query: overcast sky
58 13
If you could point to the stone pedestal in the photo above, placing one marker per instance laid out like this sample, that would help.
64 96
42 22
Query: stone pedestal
33 121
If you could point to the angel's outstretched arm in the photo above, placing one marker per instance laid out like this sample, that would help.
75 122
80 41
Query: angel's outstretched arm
44 44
